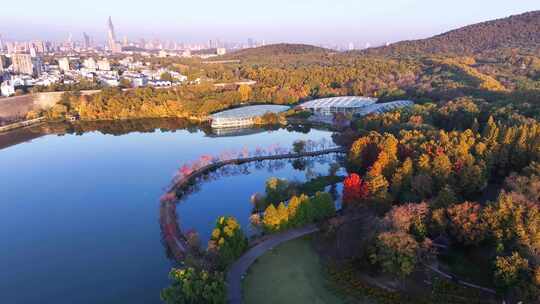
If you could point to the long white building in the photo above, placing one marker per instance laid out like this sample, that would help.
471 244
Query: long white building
332 105
355 105
244 116
385 107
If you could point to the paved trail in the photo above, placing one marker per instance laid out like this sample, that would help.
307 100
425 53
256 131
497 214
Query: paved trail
240 267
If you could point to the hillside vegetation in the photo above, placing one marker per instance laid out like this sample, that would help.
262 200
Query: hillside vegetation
280 53
519 31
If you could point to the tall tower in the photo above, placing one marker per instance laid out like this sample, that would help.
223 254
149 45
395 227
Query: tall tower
86 41
111 38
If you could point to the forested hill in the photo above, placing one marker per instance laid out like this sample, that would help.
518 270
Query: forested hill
283 51
519 31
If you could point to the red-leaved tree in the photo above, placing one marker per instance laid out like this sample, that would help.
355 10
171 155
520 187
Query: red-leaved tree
354 189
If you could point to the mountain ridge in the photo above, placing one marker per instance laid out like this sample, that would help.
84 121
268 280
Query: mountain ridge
516 31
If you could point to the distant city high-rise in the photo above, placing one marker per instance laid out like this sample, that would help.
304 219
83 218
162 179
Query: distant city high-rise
111 39
63 64
1 44
38 45
26 64
113 44
86 42
3 62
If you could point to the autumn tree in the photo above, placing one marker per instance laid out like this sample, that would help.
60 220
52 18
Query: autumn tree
441 169
409 218
323 206
227 240
445 198
466 223
271 218
509 270
399 253
354 189
402 179
514 222
245 92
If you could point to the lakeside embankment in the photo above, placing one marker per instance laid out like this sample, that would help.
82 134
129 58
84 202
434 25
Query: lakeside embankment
173 236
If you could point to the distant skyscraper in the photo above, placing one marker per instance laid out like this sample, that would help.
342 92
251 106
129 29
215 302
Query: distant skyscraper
38 45
25 64
114 46
86 42
104 65
351 46
3 62
10 47
90 64
63 64
1 44
251 42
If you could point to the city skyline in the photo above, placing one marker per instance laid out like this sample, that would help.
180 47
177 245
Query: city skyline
315 22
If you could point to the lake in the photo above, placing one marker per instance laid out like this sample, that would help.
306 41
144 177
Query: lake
79 208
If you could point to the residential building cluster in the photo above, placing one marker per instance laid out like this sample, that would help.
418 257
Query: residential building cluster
28 64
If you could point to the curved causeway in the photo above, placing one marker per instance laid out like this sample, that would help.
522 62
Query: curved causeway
172 234
186 180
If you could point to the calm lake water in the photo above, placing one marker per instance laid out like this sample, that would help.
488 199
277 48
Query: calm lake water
79 213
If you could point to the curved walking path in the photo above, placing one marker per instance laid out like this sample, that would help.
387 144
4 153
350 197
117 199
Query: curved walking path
186 180
240 267
172 235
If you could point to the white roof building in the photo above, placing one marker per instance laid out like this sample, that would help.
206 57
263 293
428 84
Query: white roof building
7 88
385 107
352 104
326 106
243 116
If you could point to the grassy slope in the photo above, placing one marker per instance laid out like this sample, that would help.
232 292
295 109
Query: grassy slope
291 273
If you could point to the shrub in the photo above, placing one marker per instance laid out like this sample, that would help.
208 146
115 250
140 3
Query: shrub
191 286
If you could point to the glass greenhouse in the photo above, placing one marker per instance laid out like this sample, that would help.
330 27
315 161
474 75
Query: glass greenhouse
243 116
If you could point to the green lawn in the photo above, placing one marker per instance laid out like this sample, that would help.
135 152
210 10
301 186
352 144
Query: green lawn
291 273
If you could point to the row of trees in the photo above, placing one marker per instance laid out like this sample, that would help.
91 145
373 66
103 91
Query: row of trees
418 165
299 211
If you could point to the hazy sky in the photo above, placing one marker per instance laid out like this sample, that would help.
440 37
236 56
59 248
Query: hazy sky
309 21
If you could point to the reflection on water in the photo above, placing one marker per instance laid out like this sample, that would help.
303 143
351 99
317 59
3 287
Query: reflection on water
79 212
122 127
